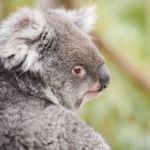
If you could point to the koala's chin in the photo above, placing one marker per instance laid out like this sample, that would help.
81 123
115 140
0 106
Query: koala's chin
93 91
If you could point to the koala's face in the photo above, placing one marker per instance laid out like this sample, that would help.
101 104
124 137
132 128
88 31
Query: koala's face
78 68
56 44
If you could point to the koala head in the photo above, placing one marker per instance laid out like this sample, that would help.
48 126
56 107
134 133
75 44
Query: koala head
56 45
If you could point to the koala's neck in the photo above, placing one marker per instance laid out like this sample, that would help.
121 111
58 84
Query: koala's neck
28 84
31 84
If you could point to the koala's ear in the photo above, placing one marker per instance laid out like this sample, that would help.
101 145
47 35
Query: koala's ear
16 35
84 18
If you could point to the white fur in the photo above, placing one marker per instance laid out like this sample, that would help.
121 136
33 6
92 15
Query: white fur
83 18
34 30
48 92
31 58
19 54
15 39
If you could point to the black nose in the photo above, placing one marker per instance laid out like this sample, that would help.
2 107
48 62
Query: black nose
104 77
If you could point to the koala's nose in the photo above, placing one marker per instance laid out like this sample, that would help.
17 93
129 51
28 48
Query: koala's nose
104 77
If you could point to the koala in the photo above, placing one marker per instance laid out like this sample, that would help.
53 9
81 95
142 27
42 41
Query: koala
49 67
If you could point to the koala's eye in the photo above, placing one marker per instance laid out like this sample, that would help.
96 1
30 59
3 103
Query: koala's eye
78 71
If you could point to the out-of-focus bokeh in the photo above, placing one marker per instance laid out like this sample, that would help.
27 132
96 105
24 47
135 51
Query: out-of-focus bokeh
122 112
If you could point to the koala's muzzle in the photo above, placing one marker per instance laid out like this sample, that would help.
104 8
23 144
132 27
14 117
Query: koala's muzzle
104 77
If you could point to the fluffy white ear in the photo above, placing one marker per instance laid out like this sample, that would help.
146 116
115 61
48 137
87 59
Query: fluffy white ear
15 35
84 18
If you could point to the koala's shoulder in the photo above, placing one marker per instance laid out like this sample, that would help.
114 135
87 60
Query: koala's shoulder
48 128
58 127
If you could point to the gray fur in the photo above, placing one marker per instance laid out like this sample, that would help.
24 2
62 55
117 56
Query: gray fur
38 94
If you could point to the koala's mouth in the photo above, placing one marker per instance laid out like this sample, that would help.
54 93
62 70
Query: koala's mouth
94 90
91 94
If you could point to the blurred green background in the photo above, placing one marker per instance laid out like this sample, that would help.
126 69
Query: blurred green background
122 112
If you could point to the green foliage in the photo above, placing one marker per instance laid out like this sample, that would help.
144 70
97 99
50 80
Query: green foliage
12 5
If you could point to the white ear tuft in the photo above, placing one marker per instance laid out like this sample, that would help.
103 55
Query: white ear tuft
84 18
15 34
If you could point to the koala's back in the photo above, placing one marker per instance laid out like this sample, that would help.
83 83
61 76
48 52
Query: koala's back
52 128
